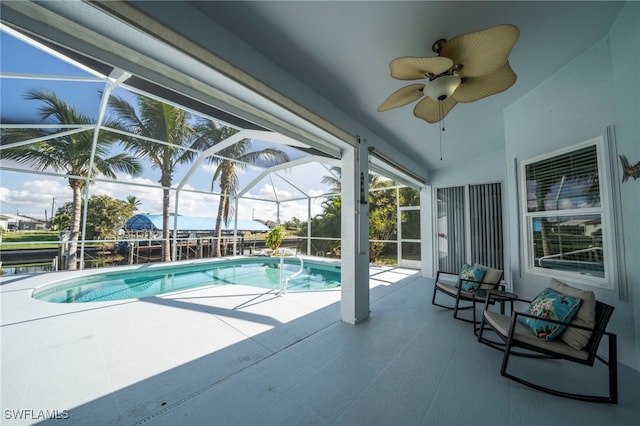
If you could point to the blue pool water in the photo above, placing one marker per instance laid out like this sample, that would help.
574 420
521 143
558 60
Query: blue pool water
133 284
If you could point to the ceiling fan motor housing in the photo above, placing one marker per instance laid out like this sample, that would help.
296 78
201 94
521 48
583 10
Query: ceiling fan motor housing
438 45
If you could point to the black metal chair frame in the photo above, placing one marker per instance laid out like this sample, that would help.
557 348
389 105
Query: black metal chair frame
603 315
460 296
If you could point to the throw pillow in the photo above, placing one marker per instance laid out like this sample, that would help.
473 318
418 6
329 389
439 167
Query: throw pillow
586 316
468 272
491 277
551 305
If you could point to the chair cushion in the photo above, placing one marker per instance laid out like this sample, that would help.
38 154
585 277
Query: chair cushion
468 272
491 277
453 291
585 317
502 323
552 305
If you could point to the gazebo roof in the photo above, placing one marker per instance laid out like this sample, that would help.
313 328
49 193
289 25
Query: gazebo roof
153 222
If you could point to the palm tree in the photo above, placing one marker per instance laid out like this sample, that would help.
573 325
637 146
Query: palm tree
69 154
334 180
162 122
227 170
133 203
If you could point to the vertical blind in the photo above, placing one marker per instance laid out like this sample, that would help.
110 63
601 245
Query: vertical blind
451 228
484 242
485 212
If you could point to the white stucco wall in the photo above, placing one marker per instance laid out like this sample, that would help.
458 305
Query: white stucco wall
487 168
595 90
625 57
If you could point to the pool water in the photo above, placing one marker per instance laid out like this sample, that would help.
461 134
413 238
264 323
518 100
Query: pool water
134 284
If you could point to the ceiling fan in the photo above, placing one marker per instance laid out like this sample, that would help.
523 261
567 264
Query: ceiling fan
468 67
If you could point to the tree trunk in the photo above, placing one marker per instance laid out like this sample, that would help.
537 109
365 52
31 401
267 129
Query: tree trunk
72 250
218 234
544 229
165 181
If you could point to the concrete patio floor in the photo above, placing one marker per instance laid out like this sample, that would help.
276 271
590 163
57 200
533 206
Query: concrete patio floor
241 355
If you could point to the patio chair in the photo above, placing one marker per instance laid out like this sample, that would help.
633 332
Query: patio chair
453 288
578 342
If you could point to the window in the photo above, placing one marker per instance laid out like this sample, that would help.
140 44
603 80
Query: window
564 214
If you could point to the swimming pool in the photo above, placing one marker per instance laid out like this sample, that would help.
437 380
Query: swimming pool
145 282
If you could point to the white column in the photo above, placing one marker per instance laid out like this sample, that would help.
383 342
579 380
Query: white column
355 234
309 226
426 232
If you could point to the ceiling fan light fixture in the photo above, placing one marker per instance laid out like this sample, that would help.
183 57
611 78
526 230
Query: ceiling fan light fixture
442 87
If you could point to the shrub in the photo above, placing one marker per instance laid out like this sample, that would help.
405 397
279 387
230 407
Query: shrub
275 237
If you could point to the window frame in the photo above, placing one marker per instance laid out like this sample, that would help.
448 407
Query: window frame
604 211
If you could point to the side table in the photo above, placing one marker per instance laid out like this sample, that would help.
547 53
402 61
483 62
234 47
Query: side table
501 297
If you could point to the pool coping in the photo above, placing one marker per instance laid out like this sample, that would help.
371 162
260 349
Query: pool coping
172 267
39 280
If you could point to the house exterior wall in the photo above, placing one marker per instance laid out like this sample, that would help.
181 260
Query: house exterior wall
595 90
20 223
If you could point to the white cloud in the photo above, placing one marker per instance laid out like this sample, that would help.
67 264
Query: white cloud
33 197
191 204
268 210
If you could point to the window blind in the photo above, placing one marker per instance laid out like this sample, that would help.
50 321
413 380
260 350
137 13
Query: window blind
470 226
485 210
451 228
564 182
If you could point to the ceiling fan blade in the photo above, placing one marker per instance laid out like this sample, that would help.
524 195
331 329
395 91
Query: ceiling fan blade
481 52
415 68
402 97
433 111
475 88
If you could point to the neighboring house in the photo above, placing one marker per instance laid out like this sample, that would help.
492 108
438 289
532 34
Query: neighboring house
4 222
16 222
581 227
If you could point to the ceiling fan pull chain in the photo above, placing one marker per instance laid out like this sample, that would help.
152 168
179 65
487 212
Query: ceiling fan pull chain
441 119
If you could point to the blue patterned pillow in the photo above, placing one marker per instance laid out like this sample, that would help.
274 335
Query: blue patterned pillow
553 305
468 272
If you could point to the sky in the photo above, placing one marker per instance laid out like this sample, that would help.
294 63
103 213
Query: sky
35 195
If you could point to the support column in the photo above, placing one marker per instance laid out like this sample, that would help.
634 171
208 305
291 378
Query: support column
354 304
427 233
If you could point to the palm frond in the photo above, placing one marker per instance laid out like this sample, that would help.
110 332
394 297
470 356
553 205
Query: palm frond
56 109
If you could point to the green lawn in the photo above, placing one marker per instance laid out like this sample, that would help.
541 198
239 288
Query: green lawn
29 239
